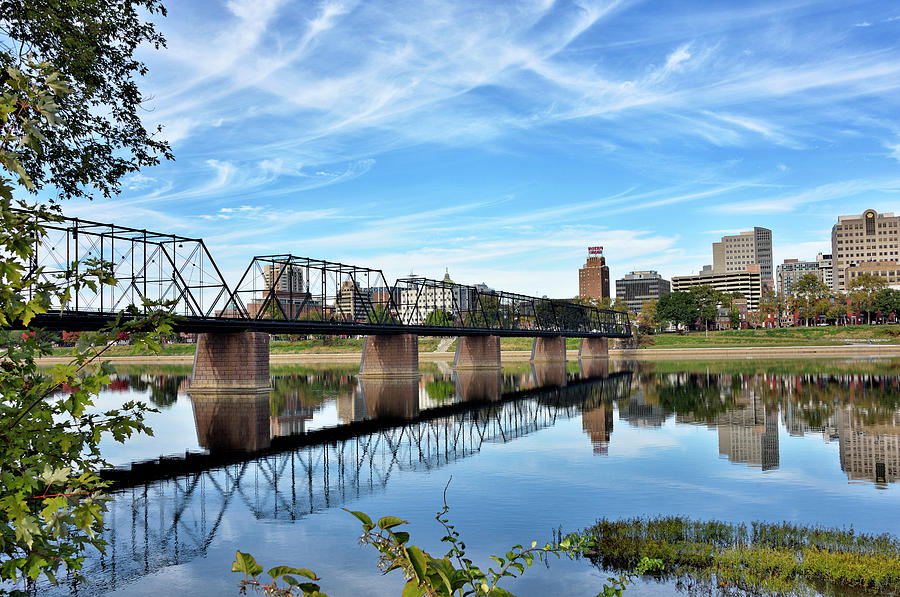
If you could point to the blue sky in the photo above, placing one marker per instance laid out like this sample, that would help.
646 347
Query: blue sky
499 140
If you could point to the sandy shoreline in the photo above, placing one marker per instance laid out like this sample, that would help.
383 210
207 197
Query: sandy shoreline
737 352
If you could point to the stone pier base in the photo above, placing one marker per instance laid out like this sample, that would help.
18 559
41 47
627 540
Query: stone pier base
231 363
594 348
477 352
395 355
549 349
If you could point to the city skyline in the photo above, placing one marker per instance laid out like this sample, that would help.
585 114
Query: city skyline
501 141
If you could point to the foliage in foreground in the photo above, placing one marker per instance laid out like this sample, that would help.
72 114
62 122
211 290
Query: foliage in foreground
427 575
58 82
779 558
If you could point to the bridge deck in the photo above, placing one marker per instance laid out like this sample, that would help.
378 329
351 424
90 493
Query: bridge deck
83 321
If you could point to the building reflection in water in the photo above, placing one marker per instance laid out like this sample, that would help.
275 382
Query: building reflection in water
859 411
598 424
868 452
170 516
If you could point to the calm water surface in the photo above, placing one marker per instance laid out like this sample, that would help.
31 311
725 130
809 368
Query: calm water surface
529 451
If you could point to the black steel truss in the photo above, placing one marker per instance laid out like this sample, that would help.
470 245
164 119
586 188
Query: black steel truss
147 266
285 293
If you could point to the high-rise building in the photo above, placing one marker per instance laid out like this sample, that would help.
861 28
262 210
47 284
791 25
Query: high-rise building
753 247
593 278
747 282
790 272
284 278
352 303
637 287
889 271
855 240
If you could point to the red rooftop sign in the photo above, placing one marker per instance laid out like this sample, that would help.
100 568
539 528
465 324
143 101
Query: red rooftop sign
595 250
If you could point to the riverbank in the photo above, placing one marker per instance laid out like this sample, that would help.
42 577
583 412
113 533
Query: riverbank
882 339
714 353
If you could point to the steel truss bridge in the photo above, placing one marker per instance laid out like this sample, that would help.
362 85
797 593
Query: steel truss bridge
284 293
171 521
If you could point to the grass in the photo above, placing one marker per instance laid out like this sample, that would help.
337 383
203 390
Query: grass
780 558
796 336
814 336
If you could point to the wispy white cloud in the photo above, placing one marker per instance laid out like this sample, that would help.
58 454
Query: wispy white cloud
819 194
601 120
895 151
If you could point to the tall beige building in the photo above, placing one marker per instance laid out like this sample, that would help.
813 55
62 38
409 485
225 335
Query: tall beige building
746 281
753 247
855 240
284 278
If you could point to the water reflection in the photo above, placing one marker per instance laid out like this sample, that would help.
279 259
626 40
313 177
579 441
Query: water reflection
169 511
859 411
322 439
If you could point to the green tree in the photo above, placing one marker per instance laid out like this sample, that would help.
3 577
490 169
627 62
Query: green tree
679 308
734 317
66 132
648 319
821 307
836 311
439 318
887 300
808 290
91 44
379 313
707 299
863 290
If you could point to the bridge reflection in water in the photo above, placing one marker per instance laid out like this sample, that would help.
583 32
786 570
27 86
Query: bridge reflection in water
160 518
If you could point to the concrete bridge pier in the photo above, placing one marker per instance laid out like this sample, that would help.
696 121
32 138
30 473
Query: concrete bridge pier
593 348
551 348
477 352
394 355
237 363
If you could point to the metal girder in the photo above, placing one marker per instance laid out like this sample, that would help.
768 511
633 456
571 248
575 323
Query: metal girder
285 293
147 265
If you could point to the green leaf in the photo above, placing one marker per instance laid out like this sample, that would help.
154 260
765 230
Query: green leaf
389 522
362 516
278 571
417 559
412 589
245 563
